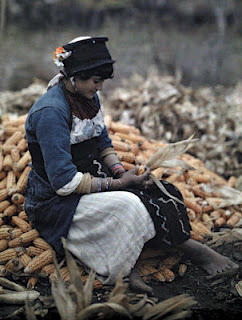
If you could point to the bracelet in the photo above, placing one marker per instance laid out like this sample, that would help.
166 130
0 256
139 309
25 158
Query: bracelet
99 185
116 166
110 182
106 183
120 183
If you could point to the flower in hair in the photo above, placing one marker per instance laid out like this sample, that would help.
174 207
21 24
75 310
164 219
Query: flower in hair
59 55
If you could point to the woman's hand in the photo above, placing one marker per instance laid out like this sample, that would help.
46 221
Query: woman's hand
129 179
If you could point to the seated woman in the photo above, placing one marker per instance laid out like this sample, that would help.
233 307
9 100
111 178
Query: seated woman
78 189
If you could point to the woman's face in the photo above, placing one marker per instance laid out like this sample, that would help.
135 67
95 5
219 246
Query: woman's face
89 87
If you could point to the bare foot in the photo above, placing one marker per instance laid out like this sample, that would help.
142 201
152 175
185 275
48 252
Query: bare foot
137 284
208 259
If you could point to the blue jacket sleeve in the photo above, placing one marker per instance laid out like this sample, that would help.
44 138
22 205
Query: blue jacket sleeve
103 141
53 135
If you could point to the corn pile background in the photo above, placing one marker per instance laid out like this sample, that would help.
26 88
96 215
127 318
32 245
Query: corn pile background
24 253
162 108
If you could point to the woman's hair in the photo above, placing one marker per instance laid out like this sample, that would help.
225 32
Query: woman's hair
105 71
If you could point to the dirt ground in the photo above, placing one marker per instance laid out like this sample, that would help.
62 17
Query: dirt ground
216 297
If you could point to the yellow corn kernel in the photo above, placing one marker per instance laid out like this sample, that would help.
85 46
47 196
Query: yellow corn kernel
7 255
3 244
39 261
41 243
24 161
21 184
29 236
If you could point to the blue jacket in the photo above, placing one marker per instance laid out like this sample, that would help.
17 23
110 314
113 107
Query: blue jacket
54 164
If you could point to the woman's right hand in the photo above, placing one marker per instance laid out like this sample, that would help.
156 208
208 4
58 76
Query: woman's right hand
129 179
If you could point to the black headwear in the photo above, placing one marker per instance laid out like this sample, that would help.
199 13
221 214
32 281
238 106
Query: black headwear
86 54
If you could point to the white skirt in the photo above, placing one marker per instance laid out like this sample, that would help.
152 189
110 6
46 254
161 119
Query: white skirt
108 233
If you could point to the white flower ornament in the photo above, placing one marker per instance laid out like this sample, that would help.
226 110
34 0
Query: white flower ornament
59 55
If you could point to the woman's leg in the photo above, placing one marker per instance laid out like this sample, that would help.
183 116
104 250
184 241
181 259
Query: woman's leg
137 284
208 259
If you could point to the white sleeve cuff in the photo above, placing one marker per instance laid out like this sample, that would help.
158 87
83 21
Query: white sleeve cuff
70 186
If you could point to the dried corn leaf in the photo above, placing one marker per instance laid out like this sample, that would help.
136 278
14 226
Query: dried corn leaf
169 152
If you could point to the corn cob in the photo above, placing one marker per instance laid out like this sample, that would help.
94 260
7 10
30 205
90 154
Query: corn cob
14 139
158 173
191 214
1 221
23 215
226 214
11 182
14 122
3 244
33 251
39 261
48 269
32 283
15 155
4 205
167 273
141 170
17 198
203 229
7 149
207 220
170 261
3 182
219 222
1 161
130 137
126 156
4 233
64 272
29 236
159 276
235 218
146 270
21 184
7 254
7 163
134 149
3 271
196 228
207 208
14 243
121 146
14 265
10 130
196 236
2 174
214 201
193 205
15 233
10 211
22 145
97 284
23 225
117 126
127 166
3 194
25 259
182 269
215 215
202 178
20 207
24 161
41 243
139 159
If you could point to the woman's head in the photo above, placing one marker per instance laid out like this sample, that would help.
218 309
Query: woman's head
85 56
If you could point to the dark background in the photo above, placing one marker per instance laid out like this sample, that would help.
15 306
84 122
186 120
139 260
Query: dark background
201 39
